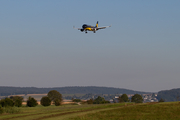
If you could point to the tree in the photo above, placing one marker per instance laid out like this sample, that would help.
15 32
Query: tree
17 100
1 109
57 102
120 99
45 101
100 100
2 102
31 102
18 103
161 100
6 102
90 101
53 95
125 98
177 98
137 98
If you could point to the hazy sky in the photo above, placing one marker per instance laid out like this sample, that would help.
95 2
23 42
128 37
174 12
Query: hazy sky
40 48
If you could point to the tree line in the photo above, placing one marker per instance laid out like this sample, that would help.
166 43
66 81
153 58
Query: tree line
6 91
53 97
169 95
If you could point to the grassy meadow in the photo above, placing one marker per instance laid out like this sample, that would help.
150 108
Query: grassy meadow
117 111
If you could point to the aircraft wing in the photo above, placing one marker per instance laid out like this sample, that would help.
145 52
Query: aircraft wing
103 27
77 28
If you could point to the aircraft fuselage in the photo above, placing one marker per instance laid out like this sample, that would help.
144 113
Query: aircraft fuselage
88 28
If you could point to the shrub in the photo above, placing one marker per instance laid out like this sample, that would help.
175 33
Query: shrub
83 102
6 102
1 109
76 100
45 101
90 101
120 100
31 102
2 102
57 102
100 100
161 100
18 103
17 100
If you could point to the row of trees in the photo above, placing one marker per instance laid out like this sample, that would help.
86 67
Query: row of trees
53 96
98 100
123 98
5 91
12 101
137 98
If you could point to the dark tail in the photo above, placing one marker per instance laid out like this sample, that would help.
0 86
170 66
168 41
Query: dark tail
97 24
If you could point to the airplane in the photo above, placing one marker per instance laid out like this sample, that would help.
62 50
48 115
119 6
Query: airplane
86 28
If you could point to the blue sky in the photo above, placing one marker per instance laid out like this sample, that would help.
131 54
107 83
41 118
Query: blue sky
40 48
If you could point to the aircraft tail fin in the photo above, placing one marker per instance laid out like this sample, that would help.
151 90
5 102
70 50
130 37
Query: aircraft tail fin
97 24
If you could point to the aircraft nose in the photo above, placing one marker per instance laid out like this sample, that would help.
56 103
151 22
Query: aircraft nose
84 26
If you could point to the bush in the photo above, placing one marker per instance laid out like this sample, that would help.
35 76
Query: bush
161 100
31 102
6 102
45 101
76 100
18 103
17 100
120 100
83 102
1 109
57 102
90 101
100 100
2 102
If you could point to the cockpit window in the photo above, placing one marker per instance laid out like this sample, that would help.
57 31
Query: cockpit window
84 26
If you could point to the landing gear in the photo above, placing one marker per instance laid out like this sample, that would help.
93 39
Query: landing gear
86 32
94 31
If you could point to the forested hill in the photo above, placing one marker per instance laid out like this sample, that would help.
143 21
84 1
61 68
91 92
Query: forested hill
5 91
170 95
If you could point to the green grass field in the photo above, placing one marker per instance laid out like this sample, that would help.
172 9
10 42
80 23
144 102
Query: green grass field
118 111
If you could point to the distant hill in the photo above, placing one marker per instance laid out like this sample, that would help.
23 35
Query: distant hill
5 91
169 95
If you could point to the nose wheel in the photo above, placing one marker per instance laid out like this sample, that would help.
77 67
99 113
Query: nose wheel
86 32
